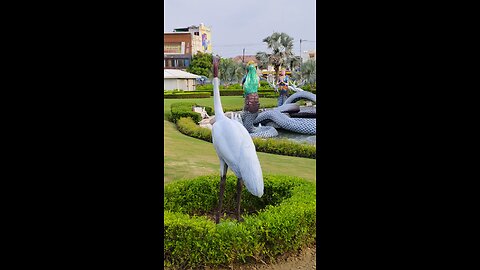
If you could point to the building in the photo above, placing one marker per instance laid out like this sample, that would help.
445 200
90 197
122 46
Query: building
201 37
307 55
177 52
181 44
179 79
245 59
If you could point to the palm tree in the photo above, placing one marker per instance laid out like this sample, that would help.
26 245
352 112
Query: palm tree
230 71
263 60
281 45
294 62
307 73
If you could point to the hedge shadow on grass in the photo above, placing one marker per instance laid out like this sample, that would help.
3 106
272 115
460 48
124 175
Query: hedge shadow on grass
282 220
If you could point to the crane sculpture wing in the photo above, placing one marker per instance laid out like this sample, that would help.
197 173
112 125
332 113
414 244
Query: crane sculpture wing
235 147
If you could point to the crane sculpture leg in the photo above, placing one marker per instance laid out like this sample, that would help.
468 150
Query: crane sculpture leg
239 196
223 179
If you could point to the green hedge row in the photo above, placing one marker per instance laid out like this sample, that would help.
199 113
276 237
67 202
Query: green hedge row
208 109
282 220
189 128
180 95
207 94
273 146
263 86
184 109
285 147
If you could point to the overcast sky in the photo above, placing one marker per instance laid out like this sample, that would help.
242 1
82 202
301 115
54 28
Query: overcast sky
237 24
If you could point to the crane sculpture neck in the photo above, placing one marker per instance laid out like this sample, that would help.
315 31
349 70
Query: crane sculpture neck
217 103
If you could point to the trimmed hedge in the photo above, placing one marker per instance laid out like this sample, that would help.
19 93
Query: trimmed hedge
282 220
189 128
263 86
179 95
273 146
285 147
184 109
207 93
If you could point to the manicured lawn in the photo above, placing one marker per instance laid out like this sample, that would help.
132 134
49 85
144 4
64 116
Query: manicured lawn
187 157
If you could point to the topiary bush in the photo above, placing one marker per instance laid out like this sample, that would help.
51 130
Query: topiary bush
285 147
204 87
184 109
282 220
189 128
180 95
273 146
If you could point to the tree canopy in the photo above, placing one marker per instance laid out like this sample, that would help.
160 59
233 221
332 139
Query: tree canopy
202 64
230 71
281 45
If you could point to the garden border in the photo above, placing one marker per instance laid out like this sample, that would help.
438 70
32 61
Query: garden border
285 225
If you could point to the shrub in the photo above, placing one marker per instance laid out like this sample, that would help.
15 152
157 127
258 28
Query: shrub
223 92
238 92
204 87
192 94
189 128
273 146
269 95
208 109
184 109
282 220
264 83
285 147
235 86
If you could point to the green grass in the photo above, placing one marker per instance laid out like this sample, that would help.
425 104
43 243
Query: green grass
187 157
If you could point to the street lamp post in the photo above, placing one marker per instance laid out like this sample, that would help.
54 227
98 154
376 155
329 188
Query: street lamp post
301 58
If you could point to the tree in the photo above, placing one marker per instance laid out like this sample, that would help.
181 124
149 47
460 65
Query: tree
281 45
307 73
202 64
294 62
230 71
263 60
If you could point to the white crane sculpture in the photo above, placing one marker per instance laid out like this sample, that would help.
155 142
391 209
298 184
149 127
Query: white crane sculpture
235 150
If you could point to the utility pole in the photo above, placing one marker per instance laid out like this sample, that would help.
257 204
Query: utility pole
243 58
301 59
300 49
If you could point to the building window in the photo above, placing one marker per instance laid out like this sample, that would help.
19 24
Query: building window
196 34
187 62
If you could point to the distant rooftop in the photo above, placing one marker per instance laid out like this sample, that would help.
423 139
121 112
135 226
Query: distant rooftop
174 33
178 74
248 58
186 29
